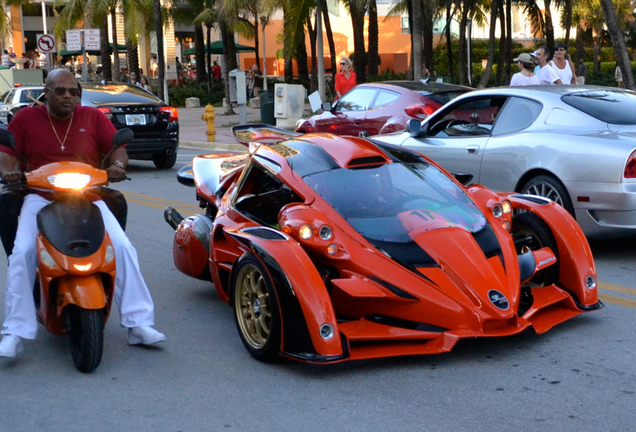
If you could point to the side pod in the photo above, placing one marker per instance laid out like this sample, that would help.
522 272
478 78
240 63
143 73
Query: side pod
191 246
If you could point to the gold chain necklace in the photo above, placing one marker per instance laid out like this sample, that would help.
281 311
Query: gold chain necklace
55 132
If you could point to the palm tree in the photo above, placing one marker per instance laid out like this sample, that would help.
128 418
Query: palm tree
618 41
485 77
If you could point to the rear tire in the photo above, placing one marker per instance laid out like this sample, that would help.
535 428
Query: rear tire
530 230
164 161
86 336
255 307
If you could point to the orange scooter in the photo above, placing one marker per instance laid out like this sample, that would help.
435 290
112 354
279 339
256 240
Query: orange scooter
75 281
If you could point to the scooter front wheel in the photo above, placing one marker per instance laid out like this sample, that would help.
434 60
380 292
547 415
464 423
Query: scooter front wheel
86 336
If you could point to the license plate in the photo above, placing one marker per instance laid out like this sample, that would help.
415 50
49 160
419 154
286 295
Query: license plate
135 119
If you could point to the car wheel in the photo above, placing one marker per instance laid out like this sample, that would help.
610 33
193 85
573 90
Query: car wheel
549 187
164 161
530 231
256 308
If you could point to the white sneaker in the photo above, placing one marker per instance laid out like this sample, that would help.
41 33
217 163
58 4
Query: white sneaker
11 346
145 335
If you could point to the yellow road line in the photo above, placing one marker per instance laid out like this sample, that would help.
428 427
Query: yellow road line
183 210
152 199
617 288
622 301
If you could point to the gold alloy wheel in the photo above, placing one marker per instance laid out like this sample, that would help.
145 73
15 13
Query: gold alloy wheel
253 308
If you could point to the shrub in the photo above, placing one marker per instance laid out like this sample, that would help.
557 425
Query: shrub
179 93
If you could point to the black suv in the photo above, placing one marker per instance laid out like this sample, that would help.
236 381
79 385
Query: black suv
155 124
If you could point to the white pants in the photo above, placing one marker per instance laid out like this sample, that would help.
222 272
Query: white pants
131 293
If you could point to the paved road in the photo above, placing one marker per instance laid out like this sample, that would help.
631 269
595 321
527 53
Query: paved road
580 376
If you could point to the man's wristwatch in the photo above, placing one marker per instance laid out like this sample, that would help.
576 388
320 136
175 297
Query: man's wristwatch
119 164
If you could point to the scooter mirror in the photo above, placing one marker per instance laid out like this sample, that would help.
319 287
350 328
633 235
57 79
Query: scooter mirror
122 137
7 139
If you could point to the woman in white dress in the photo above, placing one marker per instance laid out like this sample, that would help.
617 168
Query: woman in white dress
525 75
563 67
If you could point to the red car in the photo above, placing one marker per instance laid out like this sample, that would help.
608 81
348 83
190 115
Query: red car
378 108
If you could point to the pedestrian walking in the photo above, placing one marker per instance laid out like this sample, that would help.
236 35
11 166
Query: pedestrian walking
525 76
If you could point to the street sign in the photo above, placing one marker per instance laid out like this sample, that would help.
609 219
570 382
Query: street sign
91 39
46 43
73 40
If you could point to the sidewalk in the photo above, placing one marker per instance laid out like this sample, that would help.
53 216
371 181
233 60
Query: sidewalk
192 129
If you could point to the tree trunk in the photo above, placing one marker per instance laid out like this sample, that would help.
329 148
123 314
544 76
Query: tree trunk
229 56
116 66
360 54
416 38
508 58
289 64
580 44
428 47
549 27
199 52
313 78
374 35
107 72
256 44
485 76
132 58
332 44
568 20
449 39
208 57
618 42
597 53
161 61
463 49
503 47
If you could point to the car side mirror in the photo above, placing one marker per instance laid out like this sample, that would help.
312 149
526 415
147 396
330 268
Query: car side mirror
414 128
463 178
326 106
7 139
122 137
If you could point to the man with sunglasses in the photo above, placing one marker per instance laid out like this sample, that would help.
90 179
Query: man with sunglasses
62 130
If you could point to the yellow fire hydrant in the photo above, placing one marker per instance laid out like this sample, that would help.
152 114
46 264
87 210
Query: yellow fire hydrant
209 117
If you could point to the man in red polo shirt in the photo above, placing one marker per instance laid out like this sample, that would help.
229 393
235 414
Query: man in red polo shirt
62 130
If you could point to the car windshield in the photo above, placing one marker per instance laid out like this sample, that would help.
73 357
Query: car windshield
392 202
610 106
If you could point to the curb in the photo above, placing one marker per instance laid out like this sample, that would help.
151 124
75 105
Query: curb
214 146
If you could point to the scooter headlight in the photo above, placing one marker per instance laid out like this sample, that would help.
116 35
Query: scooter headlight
110 254
46 258
69 180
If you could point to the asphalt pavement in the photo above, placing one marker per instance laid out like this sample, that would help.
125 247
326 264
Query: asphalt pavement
192 129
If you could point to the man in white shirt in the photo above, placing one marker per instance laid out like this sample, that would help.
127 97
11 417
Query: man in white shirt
546 74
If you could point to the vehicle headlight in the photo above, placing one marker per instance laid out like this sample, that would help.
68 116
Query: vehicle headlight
305 232
325 232
46 258
507 206
497 210
326 331
590 282
69 180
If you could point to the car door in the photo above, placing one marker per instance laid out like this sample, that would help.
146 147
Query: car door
511 148
380 112
456 137
347 116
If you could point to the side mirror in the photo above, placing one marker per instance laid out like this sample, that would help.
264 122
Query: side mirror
122 137
414 128
326 106
7 139
463 178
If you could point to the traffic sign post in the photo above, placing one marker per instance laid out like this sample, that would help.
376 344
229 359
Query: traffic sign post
83 39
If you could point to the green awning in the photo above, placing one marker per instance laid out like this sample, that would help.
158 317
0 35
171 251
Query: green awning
120 48
217 48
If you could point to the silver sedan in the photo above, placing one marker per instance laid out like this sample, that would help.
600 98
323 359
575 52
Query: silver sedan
573 144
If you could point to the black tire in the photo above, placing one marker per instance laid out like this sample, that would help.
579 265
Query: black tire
86 336
164 161
549 187
255 305
529 230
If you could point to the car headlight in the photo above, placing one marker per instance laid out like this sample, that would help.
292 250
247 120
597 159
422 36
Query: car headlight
305 232
497 210
325 232
69 180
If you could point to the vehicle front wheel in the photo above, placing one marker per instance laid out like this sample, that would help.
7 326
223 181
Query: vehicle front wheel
529 230
86 336
256 308
549 187
164 161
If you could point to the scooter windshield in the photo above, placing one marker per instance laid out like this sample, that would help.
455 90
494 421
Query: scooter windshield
388 202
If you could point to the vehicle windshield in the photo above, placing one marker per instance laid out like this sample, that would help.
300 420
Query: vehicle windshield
390 202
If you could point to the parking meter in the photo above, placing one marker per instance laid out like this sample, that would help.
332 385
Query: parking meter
238 93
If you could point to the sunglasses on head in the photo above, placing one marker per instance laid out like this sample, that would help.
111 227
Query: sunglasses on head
60 91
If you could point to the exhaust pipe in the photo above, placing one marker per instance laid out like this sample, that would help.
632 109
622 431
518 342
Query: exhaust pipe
172 217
